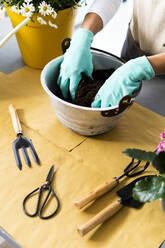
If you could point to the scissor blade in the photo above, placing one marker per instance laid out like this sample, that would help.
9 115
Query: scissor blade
50 174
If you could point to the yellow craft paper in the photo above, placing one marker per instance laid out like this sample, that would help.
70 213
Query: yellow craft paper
2 75
15 184
78 172
138 128
23 89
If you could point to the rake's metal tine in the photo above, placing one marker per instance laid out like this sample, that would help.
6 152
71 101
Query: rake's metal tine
133 174
26 157
34 153
17 158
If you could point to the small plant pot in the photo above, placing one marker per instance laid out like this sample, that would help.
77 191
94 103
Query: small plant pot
41 43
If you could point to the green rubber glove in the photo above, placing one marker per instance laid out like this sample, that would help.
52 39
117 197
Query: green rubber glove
77 59
124 81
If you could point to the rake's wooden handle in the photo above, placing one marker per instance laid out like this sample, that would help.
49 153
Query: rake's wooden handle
15 119
11 33
100 217
102 189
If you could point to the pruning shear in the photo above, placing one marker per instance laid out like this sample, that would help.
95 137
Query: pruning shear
39 207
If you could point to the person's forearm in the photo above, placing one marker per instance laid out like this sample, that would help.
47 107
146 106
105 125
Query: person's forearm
158 63
106 9
92 22
99 14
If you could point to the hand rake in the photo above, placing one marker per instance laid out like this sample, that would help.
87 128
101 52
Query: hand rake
129 171
21 142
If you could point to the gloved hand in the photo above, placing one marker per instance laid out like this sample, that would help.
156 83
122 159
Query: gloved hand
77 59
124 81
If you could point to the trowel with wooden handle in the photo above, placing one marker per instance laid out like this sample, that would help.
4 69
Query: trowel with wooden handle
125 199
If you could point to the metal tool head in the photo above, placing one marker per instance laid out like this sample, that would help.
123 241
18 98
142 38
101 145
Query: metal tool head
50 175
22 143
125 194
130 170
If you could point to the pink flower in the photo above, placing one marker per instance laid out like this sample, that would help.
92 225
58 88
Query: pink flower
161 147
162 136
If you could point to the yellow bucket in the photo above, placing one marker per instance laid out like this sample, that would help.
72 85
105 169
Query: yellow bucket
41 43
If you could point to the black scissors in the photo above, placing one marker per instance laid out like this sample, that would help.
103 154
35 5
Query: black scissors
46 186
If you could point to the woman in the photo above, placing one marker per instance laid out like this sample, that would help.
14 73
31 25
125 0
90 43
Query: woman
143 48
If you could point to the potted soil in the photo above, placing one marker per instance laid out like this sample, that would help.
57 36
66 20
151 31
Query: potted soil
87 88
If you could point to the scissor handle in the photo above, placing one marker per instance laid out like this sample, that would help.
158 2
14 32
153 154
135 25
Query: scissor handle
38 208
45 201
25 200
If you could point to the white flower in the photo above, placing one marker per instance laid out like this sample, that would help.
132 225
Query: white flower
27 9
53 14
41 20
44 8
2 13
15 9
52 25
27 1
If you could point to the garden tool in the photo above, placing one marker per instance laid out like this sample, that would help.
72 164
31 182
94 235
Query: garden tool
15 30
21 142
126 199
45 186
108 186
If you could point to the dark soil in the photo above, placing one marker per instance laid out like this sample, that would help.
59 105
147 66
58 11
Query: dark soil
87 88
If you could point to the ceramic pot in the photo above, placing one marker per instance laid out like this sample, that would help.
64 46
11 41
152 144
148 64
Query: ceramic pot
83 120
41 43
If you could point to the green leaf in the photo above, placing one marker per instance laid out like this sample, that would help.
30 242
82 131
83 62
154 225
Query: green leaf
159 162
149 189
140 154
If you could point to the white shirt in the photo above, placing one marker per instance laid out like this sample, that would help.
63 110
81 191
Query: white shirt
105 9
147 24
